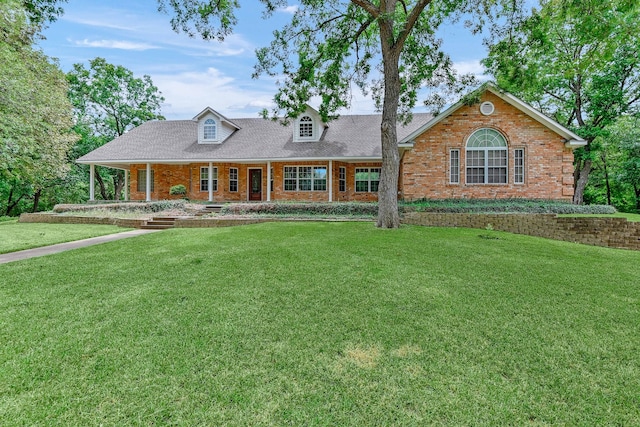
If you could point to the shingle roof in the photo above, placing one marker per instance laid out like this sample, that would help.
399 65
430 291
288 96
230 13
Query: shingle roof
356 136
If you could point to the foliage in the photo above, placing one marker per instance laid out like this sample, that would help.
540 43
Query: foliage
178 190
156 206
577 61
616 176
40 12
35 114
108 101
322 324
312 208
505 206
389 49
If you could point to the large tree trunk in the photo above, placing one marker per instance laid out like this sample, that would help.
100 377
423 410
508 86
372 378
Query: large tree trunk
118 185
388 216
103 188
603 156
636 190
36 199
581 182
11 204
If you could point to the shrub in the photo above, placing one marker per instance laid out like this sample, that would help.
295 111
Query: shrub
505 206
310 208
178 190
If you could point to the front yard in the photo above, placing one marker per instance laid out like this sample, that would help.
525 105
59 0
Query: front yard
322 324
15 236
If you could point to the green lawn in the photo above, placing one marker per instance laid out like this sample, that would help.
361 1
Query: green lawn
322 324
15 236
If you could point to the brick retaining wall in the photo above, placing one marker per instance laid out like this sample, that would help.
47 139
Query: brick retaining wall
597 231
68 219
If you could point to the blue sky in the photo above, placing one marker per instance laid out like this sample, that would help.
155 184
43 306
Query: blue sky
193 74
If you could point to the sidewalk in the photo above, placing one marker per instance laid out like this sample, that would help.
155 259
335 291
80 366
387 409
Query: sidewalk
61 247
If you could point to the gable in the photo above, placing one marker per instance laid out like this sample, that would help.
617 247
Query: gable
487 108
213 127
308 126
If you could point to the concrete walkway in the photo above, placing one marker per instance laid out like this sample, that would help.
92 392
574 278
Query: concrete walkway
61 247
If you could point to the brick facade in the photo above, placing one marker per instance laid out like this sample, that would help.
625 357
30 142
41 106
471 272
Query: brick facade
425 171
166 176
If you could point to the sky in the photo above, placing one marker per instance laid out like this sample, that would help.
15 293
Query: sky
193 74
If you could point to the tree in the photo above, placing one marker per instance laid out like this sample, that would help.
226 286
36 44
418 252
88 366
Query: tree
330 45
40 12
109 100
577 61
618 165
35 113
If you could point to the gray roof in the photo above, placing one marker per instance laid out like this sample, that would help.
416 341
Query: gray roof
355 137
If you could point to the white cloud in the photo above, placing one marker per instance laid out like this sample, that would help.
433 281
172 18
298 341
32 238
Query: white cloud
289 9
113 44
187 93
470 67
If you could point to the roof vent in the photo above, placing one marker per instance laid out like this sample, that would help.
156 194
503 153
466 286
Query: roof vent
487 108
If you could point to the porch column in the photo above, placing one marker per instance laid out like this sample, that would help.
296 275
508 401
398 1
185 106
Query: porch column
210 181
148 183
268 181
126 185
330 178
92 182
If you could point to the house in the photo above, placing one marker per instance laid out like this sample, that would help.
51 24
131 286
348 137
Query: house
499 147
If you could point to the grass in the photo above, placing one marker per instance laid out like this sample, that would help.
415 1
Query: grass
322 324
629 216
18 236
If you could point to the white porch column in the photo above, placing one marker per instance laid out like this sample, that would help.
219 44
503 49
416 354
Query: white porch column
148 183
210 181
126 185
330 178
92 182
268 181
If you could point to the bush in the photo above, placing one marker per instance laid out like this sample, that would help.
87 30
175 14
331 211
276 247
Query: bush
178 190
505 206
310 208
123 207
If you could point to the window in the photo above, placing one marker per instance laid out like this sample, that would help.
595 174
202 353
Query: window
142 180
367 180
305 127
518 166
233 179
204 179
210 129
342 179
486 158
454 167
271 184
305 178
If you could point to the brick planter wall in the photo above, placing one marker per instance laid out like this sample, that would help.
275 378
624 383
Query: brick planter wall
67 219
597 231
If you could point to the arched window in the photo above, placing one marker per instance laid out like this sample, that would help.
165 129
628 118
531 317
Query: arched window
486 157
305 127
210 129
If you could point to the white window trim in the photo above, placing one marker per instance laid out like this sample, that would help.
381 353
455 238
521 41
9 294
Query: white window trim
451 167
523 166
342 178
312 123
236 180
486 166
369 180
216 125
214 179
297 178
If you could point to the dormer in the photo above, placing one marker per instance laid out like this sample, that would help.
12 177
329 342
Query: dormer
213 127
308 126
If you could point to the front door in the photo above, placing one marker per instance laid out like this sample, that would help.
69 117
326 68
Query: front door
255 184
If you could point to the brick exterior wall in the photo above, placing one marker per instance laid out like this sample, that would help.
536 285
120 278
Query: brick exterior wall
548 163
166 176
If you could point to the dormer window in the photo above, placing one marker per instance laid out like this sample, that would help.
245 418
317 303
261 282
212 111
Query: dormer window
210 130
305 127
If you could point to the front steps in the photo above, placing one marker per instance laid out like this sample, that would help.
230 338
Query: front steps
160 223
210 208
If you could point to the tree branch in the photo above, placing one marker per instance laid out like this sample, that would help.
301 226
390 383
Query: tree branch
369 7
411 22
